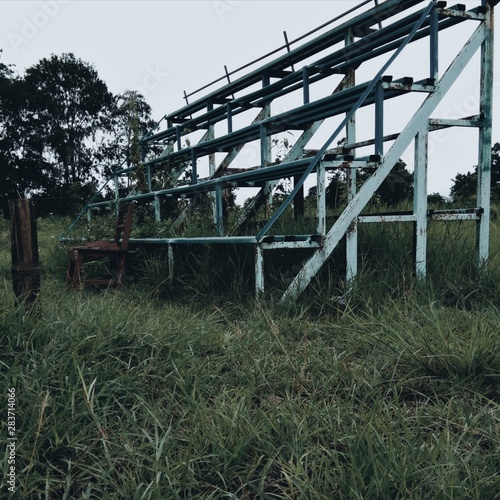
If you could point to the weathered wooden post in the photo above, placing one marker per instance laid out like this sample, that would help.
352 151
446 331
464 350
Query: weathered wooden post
25 262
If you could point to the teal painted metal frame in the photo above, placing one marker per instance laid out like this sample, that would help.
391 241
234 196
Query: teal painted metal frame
360 45
354 208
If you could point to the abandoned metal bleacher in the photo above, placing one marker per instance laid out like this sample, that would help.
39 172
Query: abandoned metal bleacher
239 113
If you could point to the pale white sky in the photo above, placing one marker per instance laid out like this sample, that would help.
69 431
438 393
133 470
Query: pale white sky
162 48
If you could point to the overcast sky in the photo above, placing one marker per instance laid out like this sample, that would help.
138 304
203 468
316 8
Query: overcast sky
163 48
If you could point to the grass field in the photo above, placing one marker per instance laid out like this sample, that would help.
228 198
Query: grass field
164 393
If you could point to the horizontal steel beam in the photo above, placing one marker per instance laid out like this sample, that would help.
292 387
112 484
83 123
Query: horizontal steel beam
272 243
440 123
386 218
208 240
290 245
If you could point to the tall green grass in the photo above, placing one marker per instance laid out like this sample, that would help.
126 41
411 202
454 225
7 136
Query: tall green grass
146 393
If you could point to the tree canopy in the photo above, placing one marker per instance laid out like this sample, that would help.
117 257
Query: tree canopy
464 187
396 188
61 129
16 180
72 105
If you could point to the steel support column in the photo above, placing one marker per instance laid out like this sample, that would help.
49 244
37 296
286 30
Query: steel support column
156 204
259 270
305 84
434 46
219 212
485 142
265 145
170 257
379 120
321 198
194 166
420 202
211 172
352 234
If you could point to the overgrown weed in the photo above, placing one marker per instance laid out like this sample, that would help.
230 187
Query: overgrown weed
161 391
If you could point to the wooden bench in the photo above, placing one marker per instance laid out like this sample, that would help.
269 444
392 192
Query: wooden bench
115 250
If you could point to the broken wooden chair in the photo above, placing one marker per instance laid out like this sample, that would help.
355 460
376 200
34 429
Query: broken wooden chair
115 250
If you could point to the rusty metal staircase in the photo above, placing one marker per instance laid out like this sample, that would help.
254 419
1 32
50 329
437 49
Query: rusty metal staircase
227 122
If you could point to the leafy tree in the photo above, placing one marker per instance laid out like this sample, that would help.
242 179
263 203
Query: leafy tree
8 185
336 189
61 129
65 117
436 199
131 120
464 186
17 176
396 187
335 193
6 79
